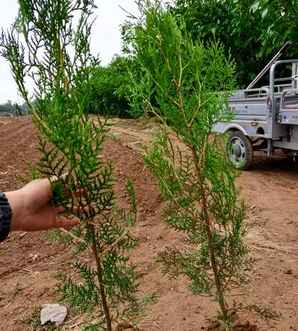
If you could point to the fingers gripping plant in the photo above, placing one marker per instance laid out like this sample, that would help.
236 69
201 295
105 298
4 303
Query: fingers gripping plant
190 162
48 49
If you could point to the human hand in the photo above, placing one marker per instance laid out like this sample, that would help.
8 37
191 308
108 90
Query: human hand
32 209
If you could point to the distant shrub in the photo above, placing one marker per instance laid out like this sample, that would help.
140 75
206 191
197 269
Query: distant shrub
108 94
13 109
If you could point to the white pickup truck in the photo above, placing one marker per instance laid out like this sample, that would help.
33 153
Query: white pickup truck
264 118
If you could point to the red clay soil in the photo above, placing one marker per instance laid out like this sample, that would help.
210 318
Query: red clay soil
269 301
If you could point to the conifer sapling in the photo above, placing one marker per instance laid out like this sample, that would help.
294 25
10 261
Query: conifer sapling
190 83
48 49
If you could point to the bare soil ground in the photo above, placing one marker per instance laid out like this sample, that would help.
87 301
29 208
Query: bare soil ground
29 263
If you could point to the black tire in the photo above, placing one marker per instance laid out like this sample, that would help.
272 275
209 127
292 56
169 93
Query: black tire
240 150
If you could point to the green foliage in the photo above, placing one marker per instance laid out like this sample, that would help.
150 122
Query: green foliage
49 45
140 83
92 327
195 176
110 91
109 94
279 18
251 31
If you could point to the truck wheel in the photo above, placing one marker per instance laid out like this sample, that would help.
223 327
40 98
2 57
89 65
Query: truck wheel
240 151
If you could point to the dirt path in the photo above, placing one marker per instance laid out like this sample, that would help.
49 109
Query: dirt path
28 263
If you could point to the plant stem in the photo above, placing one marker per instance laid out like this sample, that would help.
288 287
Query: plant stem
100 280
218 284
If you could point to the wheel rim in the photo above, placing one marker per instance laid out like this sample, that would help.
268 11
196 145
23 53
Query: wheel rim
237 152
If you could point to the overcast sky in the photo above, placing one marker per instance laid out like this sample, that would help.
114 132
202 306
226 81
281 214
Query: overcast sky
105 38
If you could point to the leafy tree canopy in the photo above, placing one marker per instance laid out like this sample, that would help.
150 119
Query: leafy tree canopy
250 30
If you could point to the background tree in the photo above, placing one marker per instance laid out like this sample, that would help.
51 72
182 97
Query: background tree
191 81
49 45
251 31
280 24
109 94
13 109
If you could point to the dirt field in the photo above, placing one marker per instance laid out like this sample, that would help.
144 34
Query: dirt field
29 263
